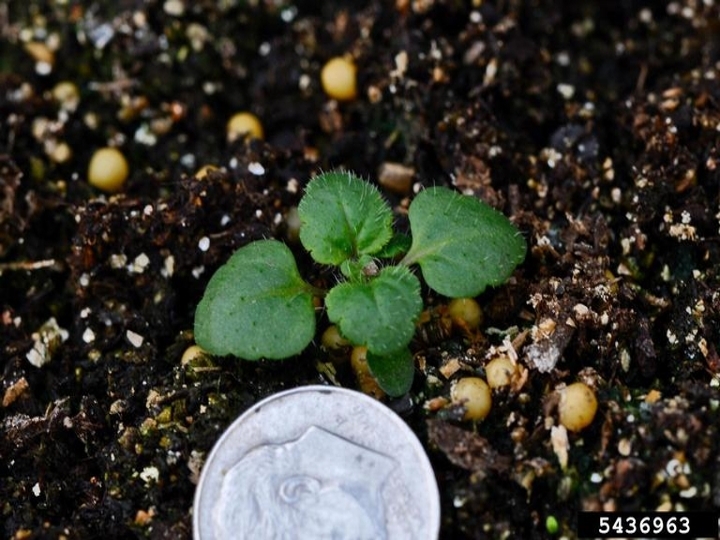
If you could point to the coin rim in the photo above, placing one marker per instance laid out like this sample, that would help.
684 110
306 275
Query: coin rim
433 512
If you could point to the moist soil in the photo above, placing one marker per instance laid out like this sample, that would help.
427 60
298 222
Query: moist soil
593 126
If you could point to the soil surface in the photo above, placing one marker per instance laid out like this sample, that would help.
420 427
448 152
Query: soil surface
593 125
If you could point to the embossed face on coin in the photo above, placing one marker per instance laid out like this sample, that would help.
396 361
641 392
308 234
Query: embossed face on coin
317 462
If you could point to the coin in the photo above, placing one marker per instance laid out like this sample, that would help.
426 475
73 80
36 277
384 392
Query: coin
317 462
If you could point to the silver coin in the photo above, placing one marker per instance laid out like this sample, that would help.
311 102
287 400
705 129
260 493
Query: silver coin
317 462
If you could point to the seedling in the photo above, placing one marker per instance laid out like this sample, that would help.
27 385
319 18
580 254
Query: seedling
258 306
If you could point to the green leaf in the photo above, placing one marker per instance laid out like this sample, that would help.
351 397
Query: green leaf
256 305
461 244
359 269
379 313
343 217
394 372
398 245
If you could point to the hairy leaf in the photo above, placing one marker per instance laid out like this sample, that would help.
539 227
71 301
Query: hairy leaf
256 305
461 244
359 269
398 245
380 313
394 372
343 217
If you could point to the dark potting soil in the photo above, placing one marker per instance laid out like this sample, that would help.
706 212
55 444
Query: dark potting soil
594 127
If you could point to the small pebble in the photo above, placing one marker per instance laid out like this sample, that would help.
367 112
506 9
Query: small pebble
108 170
396 177
339 79
244 124
203 171
500 371
365 380
175 8
67 95
474 394
465 313
332 340
256 168
42 54
192 354
577 407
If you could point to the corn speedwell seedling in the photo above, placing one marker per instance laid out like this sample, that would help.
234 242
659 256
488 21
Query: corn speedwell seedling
257 305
